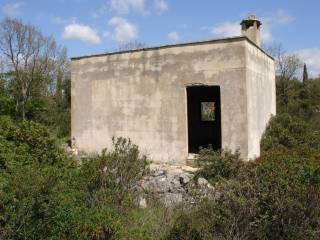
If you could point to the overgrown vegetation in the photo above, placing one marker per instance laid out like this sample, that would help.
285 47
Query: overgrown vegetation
218 165
45 195
275 197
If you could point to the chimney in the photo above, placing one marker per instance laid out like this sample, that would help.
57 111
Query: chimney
250 28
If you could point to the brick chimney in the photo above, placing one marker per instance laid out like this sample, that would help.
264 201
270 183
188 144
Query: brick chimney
250 28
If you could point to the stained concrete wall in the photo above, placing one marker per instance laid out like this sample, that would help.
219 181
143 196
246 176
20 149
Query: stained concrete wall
142 95
261 93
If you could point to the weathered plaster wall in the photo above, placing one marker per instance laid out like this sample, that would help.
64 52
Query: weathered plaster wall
142 95
261 94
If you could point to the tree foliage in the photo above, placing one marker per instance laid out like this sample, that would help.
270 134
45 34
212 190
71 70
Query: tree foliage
34 77
45 195
32 58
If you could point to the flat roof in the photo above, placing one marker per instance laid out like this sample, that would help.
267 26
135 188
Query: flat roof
174 45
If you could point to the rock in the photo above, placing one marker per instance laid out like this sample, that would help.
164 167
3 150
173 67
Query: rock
172 186
156 185
210 186
189 169
202 182
143 202
172 199
184 178
158 172
175 184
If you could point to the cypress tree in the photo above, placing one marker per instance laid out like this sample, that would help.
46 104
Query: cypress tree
305 74
304 94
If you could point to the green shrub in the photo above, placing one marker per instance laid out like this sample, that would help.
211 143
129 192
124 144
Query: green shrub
285 131
184 229
45 195
231 216
27 142
217 165
153 222
287 185
274 197
102 188
122 167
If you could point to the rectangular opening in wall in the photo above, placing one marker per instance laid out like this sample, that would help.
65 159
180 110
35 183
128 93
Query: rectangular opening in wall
204 117
207 111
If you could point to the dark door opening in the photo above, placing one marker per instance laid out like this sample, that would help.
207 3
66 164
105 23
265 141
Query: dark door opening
204 117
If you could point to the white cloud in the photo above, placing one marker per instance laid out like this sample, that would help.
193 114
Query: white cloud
284 18
311 57
125 6
266 34
81 32
174 36
100 11
63 21
160 6
279 17
106 34
121 6
12 9
231 29
138 5
226 29
124 31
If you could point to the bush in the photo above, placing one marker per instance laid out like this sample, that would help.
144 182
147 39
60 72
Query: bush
285 131
184 229
153 222
217 165
102 187
122 167
287 185
231 216
45 195
275 197
28 142
47 111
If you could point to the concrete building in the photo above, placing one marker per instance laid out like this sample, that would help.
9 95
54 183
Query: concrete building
171 100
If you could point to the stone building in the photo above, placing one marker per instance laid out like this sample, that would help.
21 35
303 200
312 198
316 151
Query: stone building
170 100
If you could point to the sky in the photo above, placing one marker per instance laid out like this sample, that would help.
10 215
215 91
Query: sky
88 27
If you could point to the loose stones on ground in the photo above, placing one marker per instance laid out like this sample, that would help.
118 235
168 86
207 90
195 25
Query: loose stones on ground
174 185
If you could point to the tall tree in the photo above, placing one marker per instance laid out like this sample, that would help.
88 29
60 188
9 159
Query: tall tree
287 68
32 58
305 74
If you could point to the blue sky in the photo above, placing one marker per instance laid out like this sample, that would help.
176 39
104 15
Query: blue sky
95 26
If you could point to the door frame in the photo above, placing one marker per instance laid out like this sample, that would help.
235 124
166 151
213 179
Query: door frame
191 156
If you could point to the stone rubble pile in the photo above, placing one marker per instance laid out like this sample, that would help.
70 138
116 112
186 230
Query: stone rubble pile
173 186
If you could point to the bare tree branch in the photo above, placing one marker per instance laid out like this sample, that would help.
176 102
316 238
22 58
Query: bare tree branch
33 58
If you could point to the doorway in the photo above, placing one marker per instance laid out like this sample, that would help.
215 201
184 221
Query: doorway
204 117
